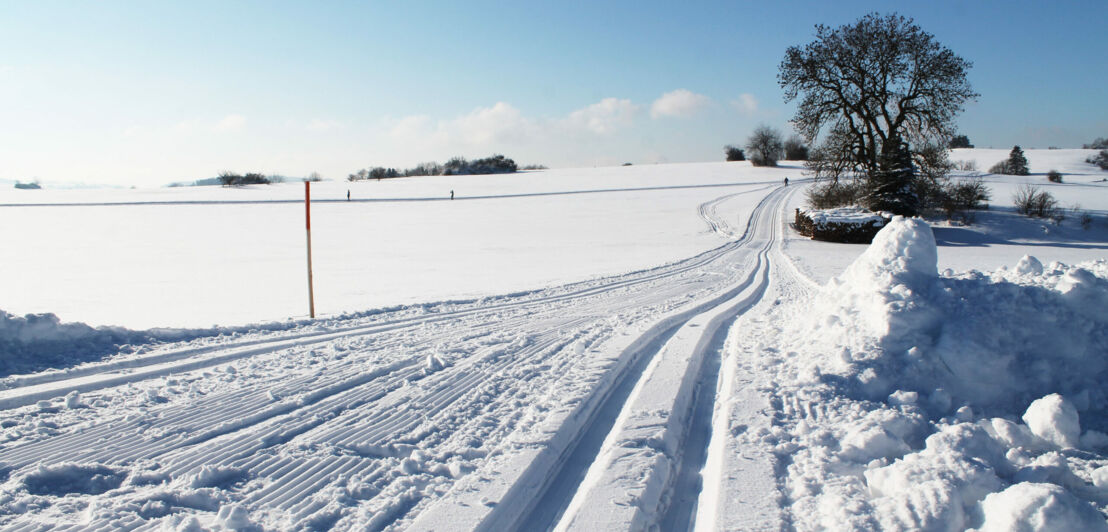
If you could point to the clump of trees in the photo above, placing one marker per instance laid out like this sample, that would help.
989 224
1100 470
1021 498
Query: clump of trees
496 164
874 95
765 146
1100 143
960 141
795 150
231 179
1100 159
33 185
1015 164
734 153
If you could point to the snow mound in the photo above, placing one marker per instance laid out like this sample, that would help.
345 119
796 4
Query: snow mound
918 401
1038 507
1054 419
992 341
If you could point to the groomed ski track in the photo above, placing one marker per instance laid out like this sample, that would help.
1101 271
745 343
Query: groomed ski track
583 407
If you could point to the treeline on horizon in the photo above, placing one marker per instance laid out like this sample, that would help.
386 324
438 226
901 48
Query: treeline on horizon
496 164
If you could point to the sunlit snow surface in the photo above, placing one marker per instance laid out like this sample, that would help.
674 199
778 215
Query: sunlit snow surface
945 377
189 257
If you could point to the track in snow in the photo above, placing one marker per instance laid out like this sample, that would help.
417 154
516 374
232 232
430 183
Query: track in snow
386 421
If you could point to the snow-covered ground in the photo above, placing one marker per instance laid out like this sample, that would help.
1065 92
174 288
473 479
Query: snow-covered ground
704 367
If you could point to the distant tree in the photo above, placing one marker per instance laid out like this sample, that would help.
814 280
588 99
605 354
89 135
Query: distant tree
765 146
734 153
795 150
960 141
314 176
1017 162
228 178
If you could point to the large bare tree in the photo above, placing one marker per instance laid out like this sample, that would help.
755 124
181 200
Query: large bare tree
873 85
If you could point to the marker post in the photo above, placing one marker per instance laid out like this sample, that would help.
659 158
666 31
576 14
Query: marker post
308 226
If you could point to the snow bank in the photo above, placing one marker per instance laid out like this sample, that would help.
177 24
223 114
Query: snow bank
914 400
35 342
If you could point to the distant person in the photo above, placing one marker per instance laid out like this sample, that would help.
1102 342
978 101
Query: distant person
451 194
786 181
348 192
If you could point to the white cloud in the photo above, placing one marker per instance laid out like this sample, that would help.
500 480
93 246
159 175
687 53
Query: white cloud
484 127
605 116
323 125
746 103
231 122
679 103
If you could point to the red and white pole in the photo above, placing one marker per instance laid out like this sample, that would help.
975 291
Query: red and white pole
308 225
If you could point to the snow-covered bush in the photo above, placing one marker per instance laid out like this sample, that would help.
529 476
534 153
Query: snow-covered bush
1054 176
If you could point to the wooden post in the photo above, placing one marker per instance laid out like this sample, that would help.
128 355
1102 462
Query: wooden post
308 225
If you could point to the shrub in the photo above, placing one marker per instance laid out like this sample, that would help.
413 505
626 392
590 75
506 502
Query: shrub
833 193
1054 176
999 168
1030 201
734 153
1101 160
764 146
1086 220
958 197
795 150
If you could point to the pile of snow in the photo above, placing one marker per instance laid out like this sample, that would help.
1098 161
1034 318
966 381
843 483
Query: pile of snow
914 400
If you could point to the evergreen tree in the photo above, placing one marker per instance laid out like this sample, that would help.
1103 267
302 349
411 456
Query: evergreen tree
892 186
1017 163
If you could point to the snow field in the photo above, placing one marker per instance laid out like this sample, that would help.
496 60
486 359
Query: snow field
726 389
198 256
377 436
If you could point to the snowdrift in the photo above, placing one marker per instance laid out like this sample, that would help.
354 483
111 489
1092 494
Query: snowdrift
950 401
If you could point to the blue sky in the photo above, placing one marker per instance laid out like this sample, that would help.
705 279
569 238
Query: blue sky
151 92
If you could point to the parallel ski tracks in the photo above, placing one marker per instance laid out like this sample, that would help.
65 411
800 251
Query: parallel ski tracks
364 419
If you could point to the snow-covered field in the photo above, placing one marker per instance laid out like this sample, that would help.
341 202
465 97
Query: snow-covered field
704 366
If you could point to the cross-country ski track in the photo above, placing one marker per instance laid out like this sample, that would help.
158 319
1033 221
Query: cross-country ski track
583 407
